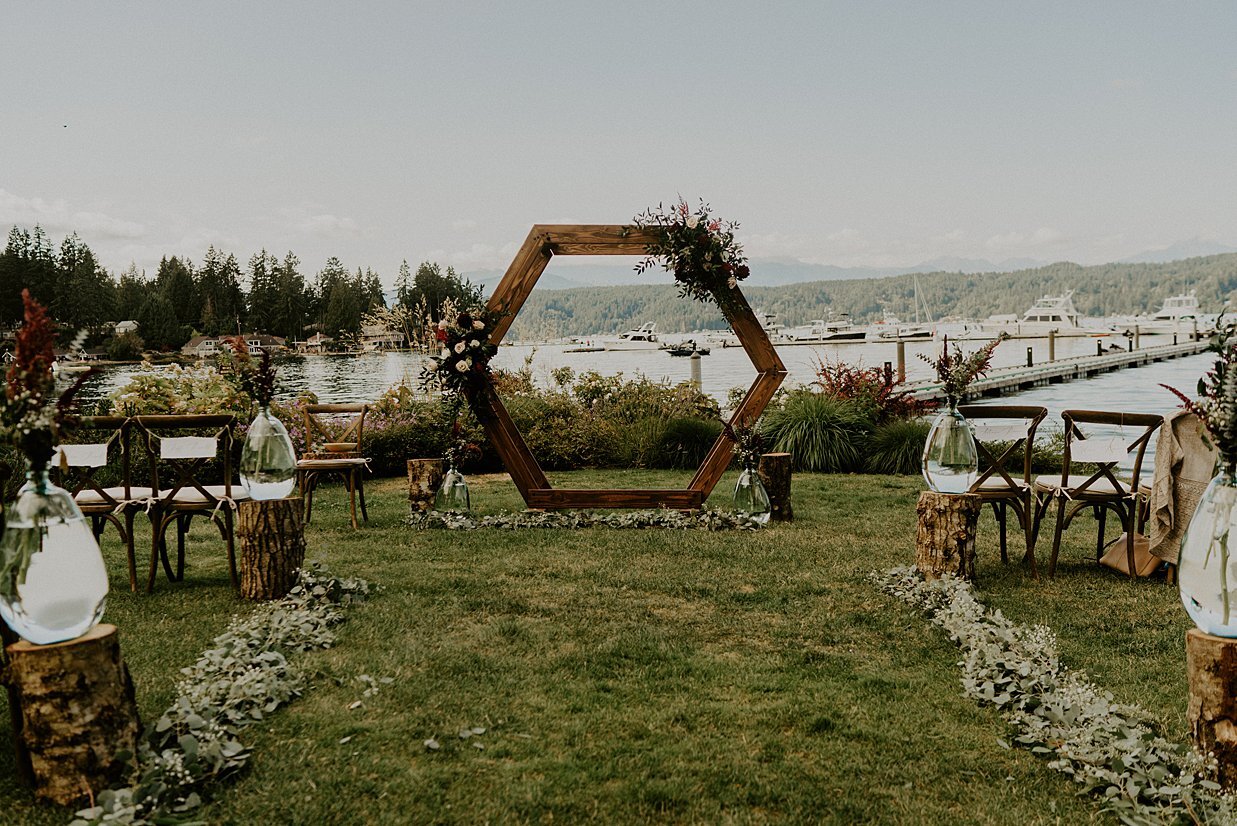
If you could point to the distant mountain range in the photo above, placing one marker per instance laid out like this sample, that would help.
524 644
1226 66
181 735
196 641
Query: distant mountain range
776 272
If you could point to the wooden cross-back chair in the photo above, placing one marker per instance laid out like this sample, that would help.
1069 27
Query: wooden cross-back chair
1101 490
104 442
334 440
181 456
1005 482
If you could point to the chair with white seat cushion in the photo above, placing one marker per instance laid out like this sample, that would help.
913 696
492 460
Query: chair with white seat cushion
104 443
192 473
334 438
1111 443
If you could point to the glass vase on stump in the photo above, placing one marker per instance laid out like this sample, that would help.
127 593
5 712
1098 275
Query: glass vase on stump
268 460
53 583
950 460
750 496
1207 570
453 493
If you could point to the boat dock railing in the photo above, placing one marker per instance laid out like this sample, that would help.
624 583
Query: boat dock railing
1005 380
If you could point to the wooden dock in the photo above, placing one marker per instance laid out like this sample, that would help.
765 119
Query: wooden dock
1006 380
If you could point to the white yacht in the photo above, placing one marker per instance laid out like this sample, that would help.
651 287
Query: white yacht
892 328
1052 313
826 331
643 337
768 322
1179 314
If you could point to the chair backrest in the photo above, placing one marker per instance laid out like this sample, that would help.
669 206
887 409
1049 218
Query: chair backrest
1012 426
181 449
1114 439
102 442
334 430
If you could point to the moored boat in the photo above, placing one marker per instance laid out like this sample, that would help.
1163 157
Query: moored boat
1050 314
643 337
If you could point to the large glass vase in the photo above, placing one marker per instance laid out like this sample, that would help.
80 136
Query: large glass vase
1207 568
453 493
751 498
950 461
53 583
268 460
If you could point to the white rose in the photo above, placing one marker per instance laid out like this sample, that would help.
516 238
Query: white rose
732 282
445 352
459 348
474 343
692 221
442 325
463 364
478 325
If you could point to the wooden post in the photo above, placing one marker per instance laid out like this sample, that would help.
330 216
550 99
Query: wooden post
77 713
901 360
945 542
1211 665
424 479
272 535
1052 345
774 471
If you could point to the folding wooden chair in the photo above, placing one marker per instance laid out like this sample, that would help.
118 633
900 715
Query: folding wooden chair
106 444
181 458
334 435
1005 481
1108 446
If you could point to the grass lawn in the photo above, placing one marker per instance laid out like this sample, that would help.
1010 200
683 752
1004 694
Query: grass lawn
647 676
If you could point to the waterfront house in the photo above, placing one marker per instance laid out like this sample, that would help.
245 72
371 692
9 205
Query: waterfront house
207 346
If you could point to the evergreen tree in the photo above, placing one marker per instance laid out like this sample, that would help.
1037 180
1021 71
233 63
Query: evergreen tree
264 298
130 294
294 299
174 282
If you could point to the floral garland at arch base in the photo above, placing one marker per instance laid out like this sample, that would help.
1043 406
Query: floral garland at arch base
705 520
1110 748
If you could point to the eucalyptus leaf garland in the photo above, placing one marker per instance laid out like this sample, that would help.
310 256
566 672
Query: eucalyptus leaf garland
705 520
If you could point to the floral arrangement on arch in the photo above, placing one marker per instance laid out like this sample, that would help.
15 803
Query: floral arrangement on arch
699 249
749 444
957 371
1216 405
463 362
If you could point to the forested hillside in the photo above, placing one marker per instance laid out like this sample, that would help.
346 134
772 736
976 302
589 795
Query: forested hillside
1107 289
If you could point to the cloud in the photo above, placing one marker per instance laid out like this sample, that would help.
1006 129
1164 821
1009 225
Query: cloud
463 223
476 257
57 217
314 221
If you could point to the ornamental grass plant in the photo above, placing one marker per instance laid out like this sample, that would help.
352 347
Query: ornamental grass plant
643 676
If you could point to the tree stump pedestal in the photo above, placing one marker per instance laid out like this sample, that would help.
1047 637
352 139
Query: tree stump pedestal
945 541
424 479
272 539
774 471
76 712
1211 665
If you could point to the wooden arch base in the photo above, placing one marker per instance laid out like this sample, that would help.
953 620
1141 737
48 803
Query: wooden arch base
544 242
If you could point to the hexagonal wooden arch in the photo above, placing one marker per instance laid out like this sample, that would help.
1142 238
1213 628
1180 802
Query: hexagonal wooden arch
545 241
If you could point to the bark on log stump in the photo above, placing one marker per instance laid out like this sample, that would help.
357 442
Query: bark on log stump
1211 665
945 542
424 479
272 537
25 774
774 472
77 713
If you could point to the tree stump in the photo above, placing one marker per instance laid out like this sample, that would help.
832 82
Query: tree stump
774 472
1211 665
424 479
272 536
77 713
945 542
25 774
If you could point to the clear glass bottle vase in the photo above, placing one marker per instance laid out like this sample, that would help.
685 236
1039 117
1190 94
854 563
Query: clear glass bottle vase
751 498
950 461
53 583
1207 567
453 493
268 460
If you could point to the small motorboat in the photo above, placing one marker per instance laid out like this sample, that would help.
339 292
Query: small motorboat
687 348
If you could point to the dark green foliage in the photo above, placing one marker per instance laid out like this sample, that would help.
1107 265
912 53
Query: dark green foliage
125 347
561 434
821 432
897 446
685 443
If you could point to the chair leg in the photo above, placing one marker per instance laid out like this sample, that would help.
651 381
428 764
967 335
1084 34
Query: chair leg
130 516
158 547
1101 515
998 508
1028 533
309 480
1129 519
360 483
230 541
1056 537
352 483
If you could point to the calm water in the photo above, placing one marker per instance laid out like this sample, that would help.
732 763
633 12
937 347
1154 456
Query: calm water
362 378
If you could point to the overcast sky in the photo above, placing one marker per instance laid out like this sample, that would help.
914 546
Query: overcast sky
877 133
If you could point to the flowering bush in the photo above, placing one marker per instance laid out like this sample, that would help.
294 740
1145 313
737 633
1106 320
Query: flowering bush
707 262
179 390
956 372
463 361
867 387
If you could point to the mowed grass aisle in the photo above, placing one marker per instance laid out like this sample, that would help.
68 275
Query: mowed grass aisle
647 676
